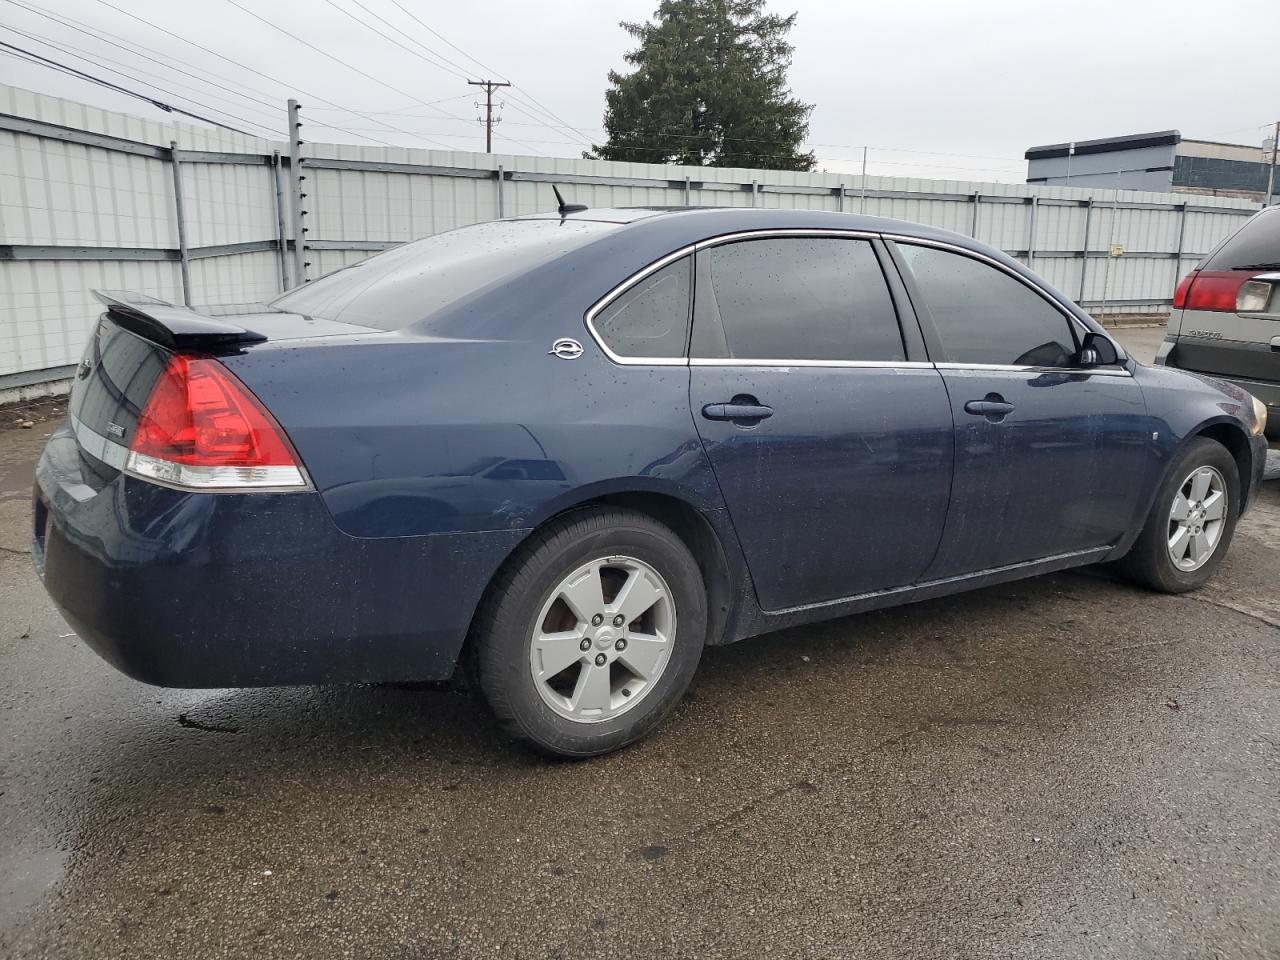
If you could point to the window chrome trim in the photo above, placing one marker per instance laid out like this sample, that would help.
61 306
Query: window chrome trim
765 233
622 288
1014 368
786 232
754 362
692 248
1035 287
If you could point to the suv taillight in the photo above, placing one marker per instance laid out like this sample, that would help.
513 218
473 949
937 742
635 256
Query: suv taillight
203 429
1180 295
1217 290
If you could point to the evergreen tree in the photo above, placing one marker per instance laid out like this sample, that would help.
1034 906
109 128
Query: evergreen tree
709 89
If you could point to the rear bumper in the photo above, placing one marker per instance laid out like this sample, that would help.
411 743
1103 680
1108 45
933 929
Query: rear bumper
226 590
1236 364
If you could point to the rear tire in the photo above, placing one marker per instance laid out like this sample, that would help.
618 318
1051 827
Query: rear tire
1189 529
591 633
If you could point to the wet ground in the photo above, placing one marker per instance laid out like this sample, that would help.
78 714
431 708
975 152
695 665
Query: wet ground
1064 767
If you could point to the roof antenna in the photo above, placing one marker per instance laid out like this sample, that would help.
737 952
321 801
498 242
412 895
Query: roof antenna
566 208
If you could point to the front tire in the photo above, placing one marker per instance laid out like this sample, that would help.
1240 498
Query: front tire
591 633
1191 522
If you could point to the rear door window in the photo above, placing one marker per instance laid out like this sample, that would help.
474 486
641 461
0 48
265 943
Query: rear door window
795 298
985 316
651 318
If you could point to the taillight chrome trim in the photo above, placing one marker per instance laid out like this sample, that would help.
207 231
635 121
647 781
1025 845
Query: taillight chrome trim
192 479
220 479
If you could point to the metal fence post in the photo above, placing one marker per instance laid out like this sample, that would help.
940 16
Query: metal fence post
295 172
502 200
840 199
973 227
282 235
1084 252
755 192
184 258
688 192
1031 231
1182 232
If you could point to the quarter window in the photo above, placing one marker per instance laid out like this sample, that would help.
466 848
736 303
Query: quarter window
651 318
985 316
795 298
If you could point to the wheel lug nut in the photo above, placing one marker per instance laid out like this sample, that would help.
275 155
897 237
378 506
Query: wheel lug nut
585 644
619 620
600 659
620 645
597 620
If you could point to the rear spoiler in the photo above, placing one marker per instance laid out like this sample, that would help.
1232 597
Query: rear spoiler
178 328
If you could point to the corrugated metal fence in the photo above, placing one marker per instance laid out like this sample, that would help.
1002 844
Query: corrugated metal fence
92 199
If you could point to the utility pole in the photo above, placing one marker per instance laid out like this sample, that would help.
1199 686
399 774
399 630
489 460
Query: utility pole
489 87
1271 173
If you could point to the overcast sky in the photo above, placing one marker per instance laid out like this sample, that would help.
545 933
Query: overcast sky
943 88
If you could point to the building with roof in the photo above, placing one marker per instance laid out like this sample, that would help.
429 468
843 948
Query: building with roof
1163 162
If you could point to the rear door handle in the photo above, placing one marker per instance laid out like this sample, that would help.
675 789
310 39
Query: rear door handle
994 407
737 411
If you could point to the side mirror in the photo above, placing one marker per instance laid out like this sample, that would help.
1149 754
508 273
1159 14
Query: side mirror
1097 351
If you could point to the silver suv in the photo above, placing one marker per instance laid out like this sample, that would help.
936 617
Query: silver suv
1226 315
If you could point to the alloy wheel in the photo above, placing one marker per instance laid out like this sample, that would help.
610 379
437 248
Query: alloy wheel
602 639
1197 519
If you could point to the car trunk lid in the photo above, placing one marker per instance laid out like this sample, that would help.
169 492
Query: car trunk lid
131 347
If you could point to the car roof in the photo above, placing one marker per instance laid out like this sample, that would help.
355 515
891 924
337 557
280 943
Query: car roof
685 225
646 234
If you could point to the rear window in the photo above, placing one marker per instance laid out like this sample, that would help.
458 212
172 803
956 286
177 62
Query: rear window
1255 246
408 283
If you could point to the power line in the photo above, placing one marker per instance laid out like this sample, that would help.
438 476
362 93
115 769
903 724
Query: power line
436 55
324 53
159 104
253 70
430 60
102 35
517 94
404 113
106 63
425 26
435 62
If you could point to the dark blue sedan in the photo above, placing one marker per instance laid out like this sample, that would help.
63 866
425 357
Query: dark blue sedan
569 451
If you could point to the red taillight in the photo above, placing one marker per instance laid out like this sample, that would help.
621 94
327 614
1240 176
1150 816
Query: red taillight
202 428
1213 290
1180 295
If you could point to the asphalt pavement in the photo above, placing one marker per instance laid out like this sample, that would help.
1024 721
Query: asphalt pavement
1062 767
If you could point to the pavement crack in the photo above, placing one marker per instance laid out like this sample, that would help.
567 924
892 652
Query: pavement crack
808 786
186 721
15 551
1237 608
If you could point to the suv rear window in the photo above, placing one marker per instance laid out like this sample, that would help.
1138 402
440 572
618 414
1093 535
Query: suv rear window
1255 246
408 283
